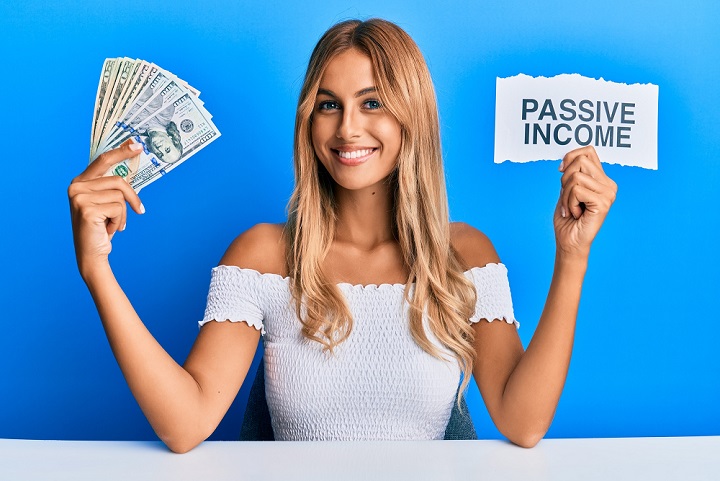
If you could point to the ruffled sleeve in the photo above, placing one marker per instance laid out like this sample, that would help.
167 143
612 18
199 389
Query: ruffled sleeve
493 294
235 295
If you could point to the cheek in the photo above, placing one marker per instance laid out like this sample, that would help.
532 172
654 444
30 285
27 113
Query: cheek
314 137
391 135
318 138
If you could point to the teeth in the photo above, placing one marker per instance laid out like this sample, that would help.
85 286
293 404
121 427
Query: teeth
355 154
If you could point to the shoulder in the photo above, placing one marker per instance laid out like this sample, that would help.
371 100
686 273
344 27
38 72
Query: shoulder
261 248
473 248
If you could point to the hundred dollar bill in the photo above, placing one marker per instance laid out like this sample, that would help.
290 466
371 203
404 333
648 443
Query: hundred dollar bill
135 85
125 69
171 91
140 101
169 137
119 63
105 76
151 89
146 74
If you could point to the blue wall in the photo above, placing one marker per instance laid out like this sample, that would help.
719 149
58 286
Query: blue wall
644 361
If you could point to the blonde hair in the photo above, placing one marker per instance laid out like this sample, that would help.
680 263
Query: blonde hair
421 220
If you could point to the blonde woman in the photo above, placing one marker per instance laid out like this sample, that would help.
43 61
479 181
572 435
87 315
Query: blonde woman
373 306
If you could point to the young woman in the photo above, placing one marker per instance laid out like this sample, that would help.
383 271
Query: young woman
372 304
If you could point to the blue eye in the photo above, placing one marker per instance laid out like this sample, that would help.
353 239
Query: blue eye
328 105
373 104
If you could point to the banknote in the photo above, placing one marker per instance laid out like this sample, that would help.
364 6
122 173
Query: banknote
140 101
125 68
105 76
170 137
163 94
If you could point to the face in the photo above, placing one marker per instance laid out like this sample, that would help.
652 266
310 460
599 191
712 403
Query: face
354 136
162 146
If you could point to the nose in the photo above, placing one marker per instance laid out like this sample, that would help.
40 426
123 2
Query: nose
349 126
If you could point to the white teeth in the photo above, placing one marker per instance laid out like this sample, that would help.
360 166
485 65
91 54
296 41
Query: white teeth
355 154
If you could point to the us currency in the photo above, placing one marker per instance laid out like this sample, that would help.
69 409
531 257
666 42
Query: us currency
169 138
140 101
105 75
169 91
111 83
125 69
148 91
117 97
145 73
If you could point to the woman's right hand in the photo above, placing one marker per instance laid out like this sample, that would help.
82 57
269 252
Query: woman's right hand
97 207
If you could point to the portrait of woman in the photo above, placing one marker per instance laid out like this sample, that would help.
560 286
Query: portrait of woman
374 309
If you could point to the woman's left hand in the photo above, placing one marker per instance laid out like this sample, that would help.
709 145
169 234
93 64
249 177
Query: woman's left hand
585 199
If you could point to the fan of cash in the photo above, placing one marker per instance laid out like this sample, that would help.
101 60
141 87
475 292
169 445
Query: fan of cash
140 101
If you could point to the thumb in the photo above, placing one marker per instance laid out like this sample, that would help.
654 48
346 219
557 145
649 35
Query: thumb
104 161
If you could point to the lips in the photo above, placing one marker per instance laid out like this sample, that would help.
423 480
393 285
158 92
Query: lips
353 156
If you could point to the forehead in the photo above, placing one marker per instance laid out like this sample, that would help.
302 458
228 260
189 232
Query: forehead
348 73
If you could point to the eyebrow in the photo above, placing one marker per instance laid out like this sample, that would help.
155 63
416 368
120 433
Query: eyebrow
359 93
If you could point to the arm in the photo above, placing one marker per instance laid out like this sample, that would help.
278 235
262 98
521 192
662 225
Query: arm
522 389
183 405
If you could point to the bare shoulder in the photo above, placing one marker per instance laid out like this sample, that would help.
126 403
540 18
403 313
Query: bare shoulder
262 248
473 247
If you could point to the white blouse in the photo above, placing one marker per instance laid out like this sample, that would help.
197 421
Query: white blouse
378 385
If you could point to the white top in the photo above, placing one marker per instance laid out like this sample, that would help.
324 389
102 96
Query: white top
379 384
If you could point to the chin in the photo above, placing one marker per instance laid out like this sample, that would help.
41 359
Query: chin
357 185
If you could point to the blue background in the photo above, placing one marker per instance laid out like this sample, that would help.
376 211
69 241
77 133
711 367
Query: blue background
645 361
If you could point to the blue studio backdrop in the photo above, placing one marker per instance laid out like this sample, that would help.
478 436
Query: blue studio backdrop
645 360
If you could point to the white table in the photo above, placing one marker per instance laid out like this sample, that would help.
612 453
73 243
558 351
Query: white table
636 459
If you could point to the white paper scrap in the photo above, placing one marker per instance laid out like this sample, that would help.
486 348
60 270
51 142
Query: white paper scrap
541 118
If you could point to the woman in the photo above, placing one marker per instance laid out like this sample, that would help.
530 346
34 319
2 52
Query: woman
397 302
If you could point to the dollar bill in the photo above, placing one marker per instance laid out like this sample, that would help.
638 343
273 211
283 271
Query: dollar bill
140 101
169 138
135 83
170 92
108 93
105 76
148 92
125 68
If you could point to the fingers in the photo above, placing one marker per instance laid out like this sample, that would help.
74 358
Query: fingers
583 160
588 152
104 161
99 209
582 191
108 205
102 184
584 176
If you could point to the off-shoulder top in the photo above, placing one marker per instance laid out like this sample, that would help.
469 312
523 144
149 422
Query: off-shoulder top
379 384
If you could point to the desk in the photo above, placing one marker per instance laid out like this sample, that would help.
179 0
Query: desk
636 459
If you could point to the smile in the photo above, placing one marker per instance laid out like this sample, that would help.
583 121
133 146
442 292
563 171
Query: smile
354 157
355 153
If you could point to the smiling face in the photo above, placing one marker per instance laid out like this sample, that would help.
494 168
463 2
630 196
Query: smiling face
354 136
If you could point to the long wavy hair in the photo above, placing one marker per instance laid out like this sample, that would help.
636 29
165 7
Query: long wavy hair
442 299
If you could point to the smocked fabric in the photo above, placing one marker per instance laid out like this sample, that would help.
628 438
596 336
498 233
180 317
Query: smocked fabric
378 385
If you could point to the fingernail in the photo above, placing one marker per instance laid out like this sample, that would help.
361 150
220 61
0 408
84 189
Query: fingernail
135 147
561 166
142 209
562 211
124 225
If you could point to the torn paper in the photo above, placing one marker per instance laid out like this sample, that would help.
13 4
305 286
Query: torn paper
540 118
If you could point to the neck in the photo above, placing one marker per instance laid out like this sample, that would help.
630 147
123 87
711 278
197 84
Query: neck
364 216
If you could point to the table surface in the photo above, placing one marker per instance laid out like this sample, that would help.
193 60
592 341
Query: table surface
615 459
